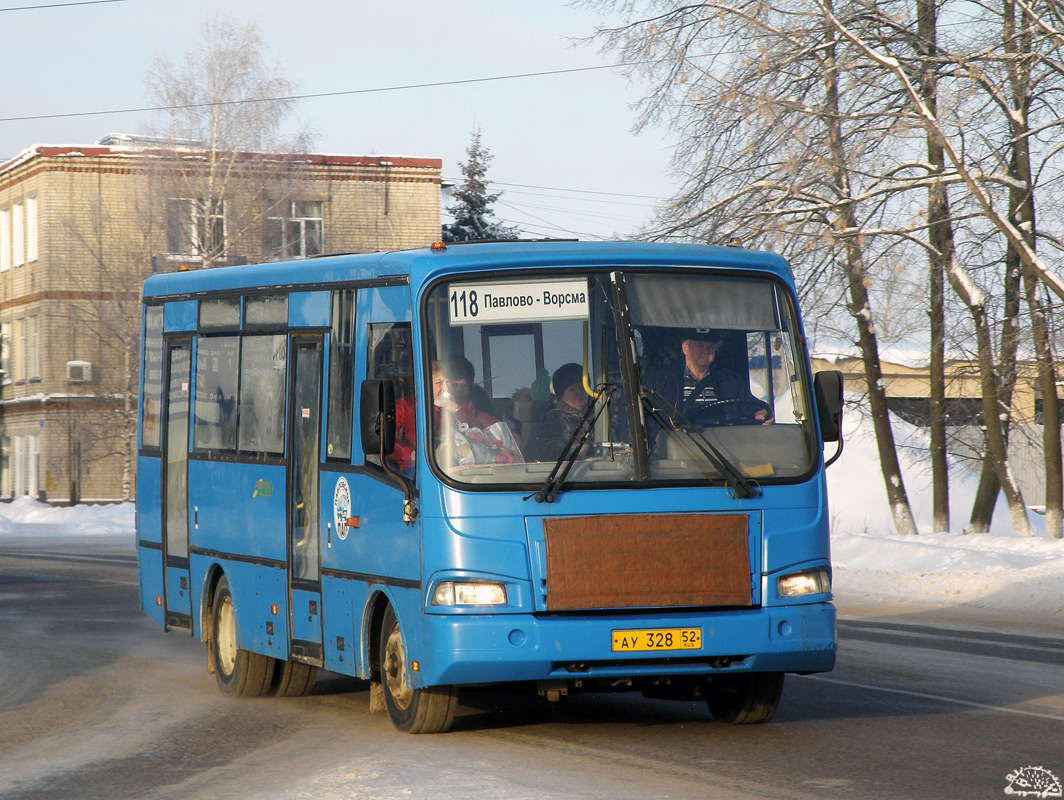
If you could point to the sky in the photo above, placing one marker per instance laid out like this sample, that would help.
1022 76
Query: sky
564 153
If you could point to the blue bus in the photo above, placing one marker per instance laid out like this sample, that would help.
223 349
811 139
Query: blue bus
569 466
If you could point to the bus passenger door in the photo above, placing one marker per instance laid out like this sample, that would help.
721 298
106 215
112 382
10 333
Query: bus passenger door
304 550
175 486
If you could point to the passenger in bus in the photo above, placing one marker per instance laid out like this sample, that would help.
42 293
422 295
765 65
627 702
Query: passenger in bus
405 451
466 425
557 424
701 391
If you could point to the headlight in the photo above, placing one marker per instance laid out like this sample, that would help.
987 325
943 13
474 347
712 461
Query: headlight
453 593
814 581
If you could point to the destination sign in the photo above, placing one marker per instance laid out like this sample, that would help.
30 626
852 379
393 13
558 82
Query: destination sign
511 301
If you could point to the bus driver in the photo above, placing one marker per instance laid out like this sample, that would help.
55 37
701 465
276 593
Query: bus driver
700 387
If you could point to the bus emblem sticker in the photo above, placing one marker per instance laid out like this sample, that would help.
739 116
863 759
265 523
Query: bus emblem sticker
341 507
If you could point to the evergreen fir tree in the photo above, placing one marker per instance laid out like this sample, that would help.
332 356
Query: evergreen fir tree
473 217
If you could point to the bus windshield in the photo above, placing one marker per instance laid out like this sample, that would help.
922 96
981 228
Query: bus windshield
617 377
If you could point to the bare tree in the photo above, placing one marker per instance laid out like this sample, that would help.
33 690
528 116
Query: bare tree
778 148
215 170
223 108
1009 79
799 128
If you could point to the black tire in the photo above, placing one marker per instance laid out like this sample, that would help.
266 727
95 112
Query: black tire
239 673
412 710
293 679
745 699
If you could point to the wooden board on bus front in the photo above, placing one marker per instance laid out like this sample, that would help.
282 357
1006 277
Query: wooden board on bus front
647 561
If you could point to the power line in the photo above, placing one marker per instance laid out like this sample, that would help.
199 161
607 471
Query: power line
579 191
552 225
316 95
61 5
655 198
567 198
590 216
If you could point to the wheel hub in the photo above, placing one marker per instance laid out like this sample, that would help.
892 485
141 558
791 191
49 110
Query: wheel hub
225 637
394 668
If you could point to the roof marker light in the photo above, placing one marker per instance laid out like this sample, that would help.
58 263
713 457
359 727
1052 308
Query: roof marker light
438 247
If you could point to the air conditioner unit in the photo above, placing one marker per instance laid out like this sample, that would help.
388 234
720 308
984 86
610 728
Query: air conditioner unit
79 372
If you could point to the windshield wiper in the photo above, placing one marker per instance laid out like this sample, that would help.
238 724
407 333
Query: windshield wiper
665 414
553 484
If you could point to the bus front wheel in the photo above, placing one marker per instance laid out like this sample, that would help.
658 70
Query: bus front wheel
240 673
746 698
429 710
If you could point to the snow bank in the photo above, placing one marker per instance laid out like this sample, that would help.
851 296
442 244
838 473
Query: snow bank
996 571
984 571
22 514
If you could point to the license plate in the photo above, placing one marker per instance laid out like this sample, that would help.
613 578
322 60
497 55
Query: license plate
655 639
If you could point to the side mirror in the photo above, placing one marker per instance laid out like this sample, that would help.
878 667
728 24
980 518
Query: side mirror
377 417
827 386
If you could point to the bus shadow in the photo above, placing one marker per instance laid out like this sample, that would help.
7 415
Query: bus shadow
333 683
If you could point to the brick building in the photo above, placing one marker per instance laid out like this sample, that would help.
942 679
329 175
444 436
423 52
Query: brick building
82 226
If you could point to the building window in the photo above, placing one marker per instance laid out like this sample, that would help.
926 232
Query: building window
195 227
18 235
32 352
7 483
5 352
959 411
293 229
27 458
18 351
23 355
1040 407
31 230
5 239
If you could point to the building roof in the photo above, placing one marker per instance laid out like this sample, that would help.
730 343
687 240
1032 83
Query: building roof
130 145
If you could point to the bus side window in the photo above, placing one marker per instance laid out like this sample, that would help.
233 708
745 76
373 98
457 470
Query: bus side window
390 357
151 426
216 382
263 368
341 376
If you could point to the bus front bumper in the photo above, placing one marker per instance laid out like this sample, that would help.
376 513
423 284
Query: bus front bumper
469 649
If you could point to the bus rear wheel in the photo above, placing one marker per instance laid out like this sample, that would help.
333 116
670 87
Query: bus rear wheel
746 698
293 679
429 710
239 673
